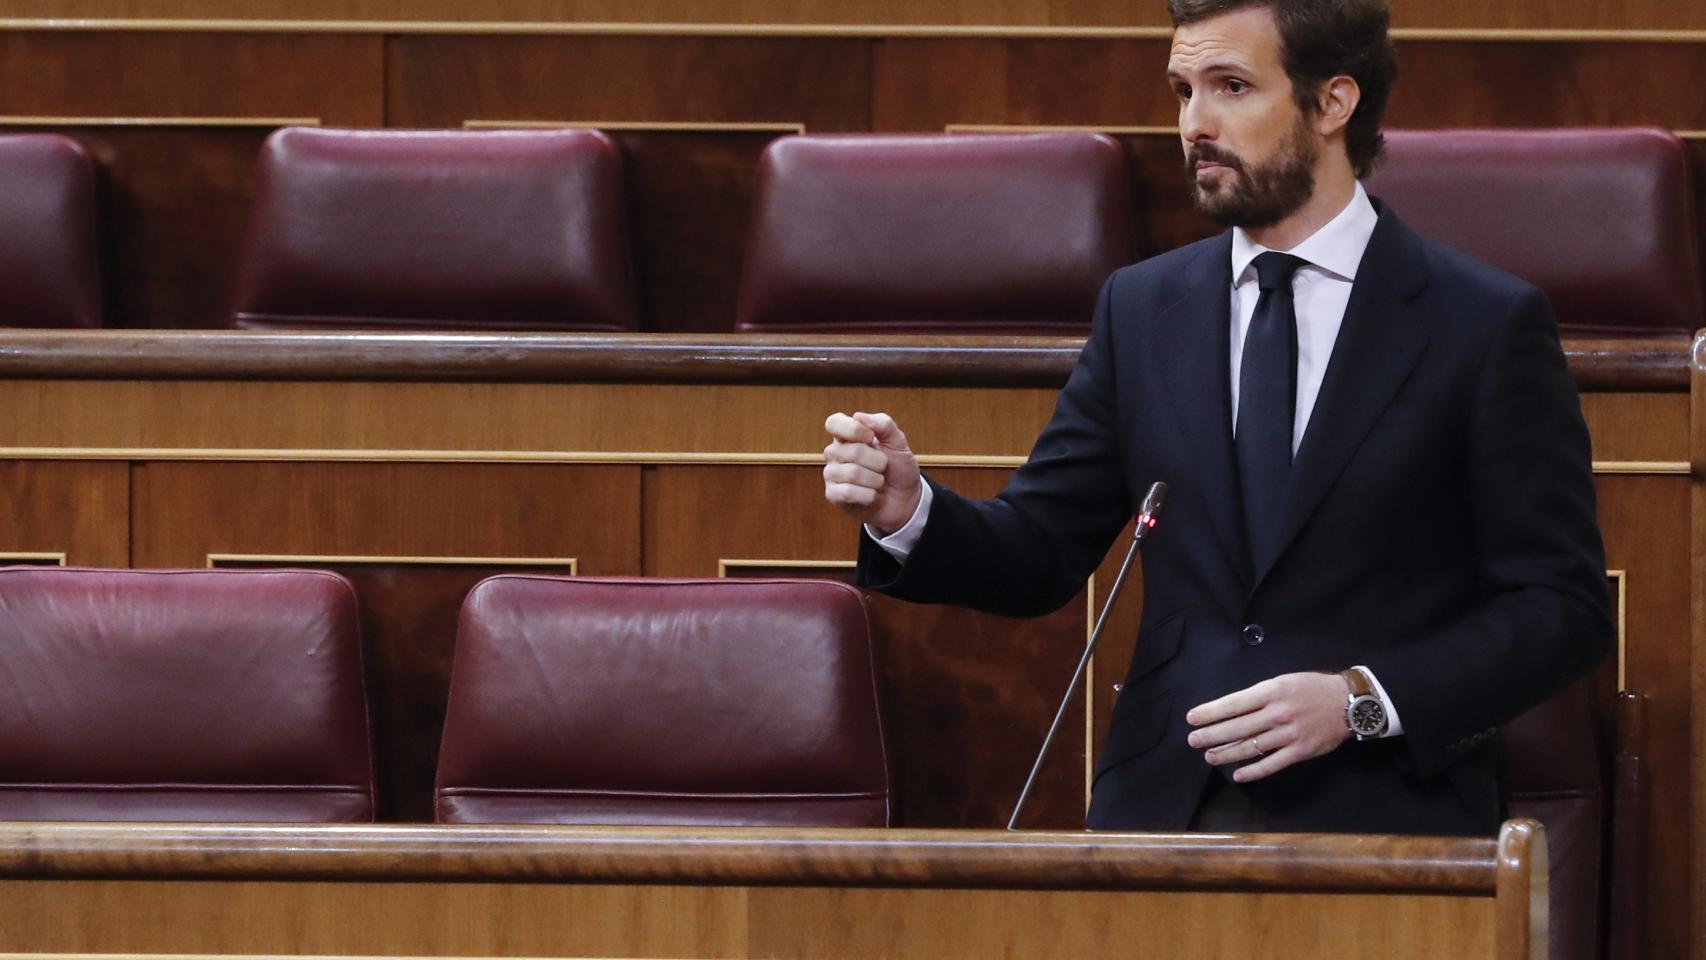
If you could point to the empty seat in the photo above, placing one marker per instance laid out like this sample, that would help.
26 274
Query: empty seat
705 702
1010 233
406 229
1602 220
50 265
181 695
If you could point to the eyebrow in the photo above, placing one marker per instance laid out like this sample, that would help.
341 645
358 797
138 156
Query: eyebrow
1213 68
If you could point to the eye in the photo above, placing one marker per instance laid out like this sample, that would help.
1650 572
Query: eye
1183 90
1235 86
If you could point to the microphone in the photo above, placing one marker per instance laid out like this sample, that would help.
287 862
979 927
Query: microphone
1147 517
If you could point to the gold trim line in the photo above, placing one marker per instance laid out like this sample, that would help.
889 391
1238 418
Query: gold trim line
268 122
846 30
659 126
572 563
26 555
1141 131
709 458
724 565
1622 578
1643 467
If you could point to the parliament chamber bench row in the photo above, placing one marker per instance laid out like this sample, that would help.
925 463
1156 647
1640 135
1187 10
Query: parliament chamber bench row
964 233
239 696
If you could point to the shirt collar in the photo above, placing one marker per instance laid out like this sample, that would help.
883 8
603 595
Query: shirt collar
1336 248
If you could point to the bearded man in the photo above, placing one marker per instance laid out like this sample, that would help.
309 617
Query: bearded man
1380 541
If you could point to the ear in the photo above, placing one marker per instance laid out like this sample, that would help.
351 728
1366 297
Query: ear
1338 99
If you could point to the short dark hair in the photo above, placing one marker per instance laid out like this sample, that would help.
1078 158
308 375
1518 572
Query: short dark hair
1320 40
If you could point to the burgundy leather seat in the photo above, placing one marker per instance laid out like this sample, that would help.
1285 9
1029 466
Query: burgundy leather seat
437 230
705 702
181 695
1555 769
1010 233
50 265
1602 220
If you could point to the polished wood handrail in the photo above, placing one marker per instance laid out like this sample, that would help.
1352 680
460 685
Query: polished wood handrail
756 856
1636 364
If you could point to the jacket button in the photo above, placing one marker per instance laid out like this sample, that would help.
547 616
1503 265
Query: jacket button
1254 635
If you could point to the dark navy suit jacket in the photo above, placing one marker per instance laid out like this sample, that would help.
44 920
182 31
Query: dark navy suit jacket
1439 528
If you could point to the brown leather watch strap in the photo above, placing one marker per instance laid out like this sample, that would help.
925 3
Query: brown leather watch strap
1360 685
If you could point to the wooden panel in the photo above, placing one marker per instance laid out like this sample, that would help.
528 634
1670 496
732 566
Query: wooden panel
1641 518
661 921
78 509
1531 14
175 197
689 202
445 81
174 203
966 697
617 419
334 78
187 512
1121 82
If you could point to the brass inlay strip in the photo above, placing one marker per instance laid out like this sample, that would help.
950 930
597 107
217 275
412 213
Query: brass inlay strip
1139 131
1622 578
32 555
40 121
572 563
725 565
660 126
1058 128
1089 693
613 457
846 30
1643 467
467 456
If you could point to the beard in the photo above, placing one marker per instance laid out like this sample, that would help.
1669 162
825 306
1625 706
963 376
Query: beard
1258 196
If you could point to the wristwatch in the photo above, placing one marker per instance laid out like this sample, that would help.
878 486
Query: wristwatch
1364 713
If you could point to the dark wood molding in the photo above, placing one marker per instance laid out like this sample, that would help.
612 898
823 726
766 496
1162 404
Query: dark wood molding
1637 364
754 856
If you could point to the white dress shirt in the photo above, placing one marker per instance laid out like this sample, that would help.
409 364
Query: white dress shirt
1321 290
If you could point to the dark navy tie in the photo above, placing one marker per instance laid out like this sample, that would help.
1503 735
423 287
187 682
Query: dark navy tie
1267 404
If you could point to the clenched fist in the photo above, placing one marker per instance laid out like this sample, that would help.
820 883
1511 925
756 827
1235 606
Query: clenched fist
869 472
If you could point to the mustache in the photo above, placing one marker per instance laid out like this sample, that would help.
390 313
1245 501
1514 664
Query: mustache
1210 153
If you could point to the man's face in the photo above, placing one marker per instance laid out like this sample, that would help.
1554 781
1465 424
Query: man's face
1249 149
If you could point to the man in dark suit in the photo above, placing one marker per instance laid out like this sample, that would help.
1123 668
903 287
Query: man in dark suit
1380 541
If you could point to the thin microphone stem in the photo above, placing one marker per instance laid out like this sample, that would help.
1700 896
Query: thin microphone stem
1145 522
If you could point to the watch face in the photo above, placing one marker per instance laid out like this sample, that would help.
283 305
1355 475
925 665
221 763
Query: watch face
1367 717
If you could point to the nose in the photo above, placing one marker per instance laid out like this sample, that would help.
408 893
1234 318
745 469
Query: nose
1196 120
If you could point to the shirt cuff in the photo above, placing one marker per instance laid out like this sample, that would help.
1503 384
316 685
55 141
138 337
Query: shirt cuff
1394 727
899 544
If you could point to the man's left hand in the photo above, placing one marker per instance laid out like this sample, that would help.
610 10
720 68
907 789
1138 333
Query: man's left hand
1279 722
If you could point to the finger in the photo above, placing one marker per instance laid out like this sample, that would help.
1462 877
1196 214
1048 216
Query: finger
1245 749
883 426
1236 704
849 495
862 454
852 473
844 428
1231 731
1268 766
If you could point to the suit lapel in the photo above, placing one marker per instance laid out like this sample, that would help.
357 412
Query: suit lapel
1195 335
1378 345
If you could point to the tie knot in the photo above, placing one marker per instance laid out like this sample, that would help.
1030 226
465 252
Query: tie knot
1275 270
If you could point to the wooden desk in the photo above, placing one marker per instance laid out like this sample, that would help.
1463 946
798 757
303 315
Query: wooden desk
418 464
220 890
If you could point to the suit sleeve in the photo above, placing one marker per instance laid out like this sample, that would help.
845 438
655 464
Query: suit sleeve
1030 549
1545 618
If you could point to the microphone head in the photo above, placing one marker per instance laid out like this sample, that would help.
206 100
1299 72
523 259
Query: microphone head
1153 502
